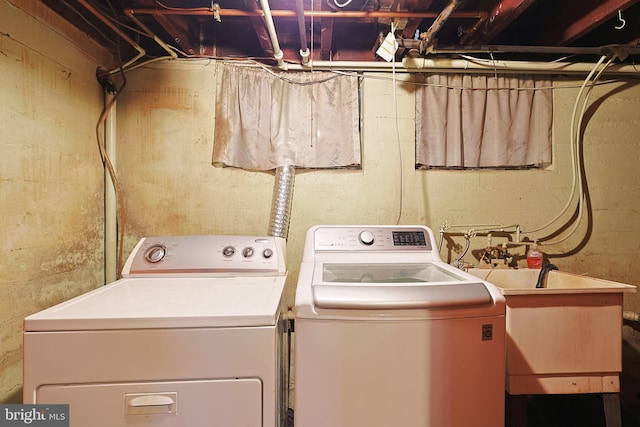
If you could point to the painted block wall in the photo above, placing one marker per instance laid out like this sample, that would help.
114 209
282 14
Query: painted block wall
51 179
165 128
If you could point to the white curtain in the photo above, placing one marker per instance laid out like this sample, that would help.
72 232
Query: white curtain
474 121
265 120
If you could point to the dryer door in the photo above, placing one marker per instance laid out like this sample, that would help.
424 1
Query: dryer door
211 403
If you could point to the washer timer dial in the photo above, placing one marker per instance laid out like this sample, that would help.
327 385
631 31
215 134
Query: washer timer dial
366 238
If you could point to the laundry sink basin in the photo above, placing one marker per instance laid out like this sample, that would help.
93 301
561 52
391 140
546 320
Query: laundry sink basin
563 338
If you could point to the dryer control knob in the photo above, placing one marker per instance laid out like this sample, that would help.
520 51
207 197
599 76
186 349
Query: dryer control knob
247 252
228 251
366 238
155 253
267 253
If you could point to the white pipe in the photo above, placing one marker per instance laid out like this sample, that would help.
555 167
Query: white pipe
150 33
417 64
136 46
110 205
630 315
445 65
271 28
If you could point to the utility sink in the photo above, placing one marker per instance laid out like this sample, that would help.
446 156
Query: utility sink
564 338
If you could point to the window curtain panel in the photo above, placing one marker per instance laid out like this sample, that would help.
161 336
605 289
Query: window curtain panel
265 120
476 121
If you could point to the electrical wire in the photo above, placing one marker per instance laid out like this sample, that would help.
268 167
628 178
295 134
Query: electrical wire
578 155
575 150
397 129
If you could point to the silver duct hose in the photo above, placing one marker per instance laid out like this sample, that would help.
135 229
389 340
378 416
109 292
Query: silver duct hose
281 204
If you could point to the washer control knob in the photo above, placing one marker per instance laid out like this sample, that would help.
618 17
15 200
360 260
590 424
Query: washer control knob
247 252
267 253
366 238
228 251
155 253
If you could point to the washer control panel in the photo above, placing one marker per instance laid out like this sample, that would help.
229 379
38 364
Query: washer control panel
207 255
372 238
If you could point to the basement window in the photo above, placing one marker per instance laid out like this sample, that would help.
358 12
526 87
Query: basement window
466 121
266 119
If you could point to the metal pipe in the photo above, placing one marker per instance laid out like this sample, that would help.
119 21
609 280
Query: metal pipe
110 204
428 35
304 49
283 13
271 28
108 23
281 204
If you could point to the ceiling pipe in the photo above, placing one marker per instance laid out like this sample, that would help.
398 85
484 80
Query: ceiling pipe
282 13
150 33
446 65
304 49
108 23
271 28
427 37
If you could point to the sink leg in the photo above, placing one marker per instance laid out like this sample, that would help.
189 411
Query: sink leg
612 409
516 410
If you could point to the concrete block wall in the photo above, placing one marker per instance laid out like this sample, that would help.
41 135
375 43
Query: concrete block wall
51 179
51 176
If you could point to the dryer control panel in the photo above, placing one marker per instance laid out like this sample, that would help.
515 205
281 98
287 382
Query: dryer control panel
206 256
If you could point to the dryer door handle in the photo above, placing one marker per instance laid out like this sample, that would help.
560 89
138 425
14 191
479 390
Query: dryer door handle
151 400
151 403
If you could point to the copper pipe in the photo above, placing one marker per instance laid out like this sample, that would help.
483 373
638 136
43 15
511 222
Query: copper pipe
281 13
110 25
136 46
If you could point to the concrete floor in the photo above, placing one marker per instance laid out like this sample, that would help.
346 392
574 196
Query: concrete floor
586 410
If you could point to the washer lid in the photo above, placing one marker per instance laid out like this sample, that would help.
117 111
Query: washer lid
401 297
144 303
394 285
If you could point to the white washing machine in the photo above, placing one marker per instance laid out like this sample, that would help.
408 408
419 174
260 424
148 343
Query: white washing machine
192 335
387 334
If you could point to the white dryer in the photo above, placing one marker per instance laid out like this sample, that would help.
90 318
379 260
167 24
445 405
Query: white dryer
192 335
387 334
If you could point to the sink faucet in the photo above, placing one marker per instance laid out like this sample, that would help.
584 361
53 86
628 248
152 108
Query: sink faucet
543 274
496 253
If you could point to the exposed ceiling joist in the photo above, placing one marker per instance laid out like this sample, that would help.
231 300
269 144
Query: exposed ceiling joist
349 30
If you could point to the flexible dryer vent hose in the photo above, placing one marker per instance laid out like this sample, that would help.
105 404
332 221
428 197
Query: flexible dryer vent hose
281 204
